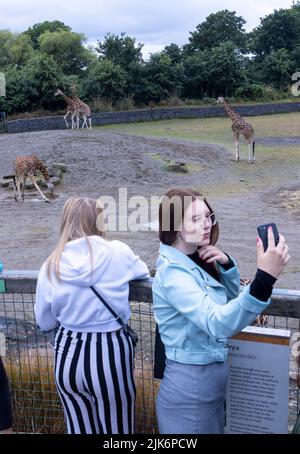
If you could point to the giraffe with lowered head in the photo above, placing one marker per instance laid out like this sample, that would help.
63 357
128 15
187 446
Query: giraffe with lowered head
240 126
29 166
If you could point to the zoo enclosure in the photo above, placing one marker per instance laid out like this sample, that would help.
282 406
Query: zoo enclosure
27 354
131 116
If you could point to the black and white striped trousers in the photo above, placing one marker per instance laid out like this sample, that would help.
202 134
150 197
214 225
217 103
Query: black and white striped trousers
94 378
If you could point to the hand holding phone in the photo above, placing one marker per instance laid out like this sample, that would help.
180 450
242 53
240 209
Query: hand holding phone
263 234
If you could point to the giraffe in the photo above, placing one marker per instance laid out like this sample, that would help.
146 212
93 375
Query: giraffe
85 111
81 108
28 166
240 126
71 107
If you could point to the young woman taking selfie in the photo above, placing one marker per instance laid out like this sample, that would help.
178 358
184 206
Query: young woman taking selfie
197 306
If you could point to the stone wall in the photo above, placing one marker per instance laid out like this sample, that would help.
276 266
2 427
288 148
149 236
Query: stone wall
104 118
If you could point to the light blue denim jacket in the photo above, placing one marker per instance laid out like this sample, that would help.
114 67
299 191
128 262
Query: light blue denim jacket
194 312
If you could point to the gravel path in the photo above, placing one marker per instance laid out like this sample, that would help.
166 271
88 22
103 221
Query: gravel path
99 163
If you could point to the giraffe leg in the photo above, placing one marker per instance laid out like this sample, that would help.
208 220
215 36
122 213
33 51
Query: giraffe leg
23 186
37 187
237 145
84 121
90 123
17 194
65 118
77 119
72 118
249 153
237 149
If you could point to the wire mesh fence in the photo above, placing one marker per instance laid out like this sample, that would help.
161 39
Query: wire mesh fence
27 354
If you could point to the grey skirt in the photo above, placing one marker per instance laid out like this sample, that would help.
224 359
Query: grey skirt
191 399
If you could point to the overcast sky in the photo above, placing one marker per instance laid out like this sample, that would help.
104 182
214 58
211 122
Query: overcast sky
155 23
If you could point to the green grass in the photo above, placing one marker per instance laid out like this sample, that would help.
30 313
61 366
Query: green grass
211 130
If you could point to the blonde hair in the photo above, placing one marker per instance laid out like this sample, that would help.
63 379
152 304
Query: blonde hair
79 220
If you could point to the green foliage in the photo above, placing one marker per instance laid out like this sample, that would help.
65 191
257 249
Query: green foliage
277 67
220 58
160 79
33 86
278 30
15 49
174 52
21 92
218 28
213 71
256 92
39 29
66 48
106 79
121 50
47 76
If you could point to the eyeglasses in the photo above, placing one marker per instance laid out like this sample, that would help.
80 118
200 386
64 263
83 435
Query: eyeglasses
213 218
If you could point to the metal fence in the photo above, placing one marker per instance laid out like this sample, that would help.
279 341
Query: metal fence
28 354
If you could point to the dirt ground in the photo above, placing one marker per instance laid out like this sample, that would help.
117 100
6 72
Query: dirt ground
99 163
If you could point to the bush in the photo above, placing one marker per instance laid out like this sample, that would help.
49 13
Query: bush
101 105
124 104
256 92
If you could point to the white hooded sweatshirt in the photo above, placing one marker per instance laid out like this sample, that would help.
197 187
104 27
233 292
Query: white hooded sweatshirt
71 303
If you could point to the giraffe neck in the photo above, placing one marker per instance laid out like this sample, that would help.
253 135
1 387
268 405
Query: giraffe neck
231 114
67 99
42 168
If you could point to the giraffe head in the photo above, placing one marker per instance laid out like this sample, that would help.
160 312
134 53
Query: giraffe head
220 99
58 92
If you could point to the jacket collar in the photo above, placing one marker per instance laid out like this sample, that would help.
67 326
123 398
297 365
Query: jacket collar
175 255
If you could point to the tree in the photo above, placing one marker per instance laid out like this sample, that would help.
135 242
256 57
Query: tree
278 30
197 79
174 52
37 30
66 48
46 76
277 68
120 50
218 28
226 68
107 80
21 91
160 79
15 49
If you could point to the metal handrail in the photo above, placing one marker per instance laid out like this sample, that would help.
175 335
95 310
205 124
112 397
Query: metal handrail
284 302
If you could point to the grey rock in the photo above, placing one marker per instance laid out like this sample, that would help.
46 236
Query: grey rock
60 166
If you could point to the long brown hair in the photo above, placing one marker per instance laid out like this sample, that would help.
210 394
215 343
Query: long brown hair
170 218
80 219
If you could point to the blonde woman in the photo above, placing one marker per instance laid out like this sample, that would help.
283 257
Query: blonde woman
93 356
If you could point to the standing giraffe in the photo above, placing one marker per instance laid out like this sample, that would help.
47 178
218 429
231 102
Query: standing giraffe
240 126
85 111
71 107
29 166
81 108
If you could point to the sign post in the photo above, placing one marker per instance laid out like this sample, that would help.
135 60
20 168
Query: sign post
258 381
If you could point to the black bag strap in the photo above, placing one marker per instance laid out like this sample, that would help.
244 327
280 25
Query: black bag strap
117 317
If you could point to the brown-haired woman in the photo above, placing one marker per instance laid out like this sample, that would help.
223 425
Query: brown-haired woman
93 356
197 306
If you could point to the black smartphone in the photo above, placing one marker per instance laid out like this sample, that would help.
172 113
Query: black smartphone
263 234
